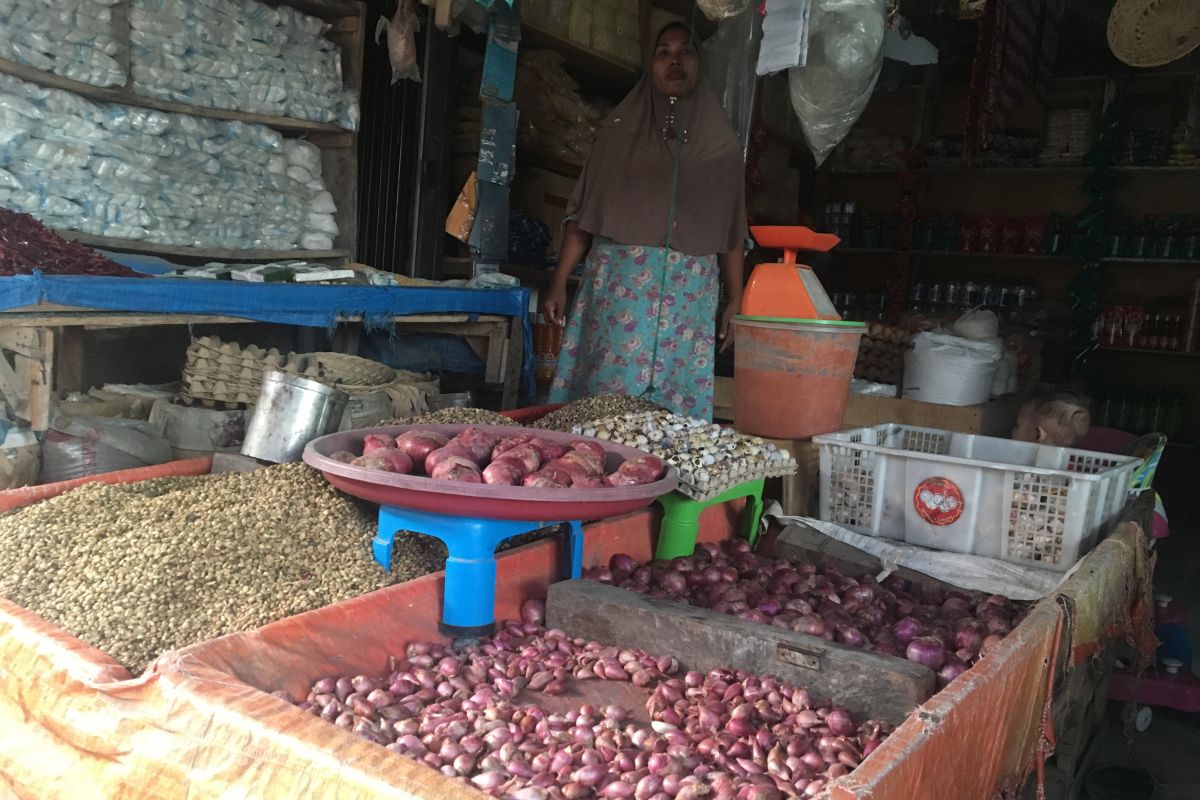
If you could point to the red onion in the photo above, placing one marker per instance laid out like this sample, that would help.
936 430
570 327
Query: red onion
851 636
988 643
927 650
908 629
622 564
533 611
673 582
950 670
811 624
968 636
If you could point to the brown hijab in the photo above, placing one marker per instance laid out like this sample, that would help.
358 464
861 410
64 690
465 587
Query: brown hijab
625 191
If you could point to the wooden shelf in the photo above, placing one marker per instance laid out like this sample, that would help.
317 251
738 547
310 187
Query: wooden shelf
539 276
976 172
531 158
209 253
126 96
579 58
882 251
1144 352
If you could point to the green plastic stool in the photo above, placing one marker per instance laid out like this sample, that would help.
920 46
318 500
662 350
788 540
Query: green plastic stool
681 518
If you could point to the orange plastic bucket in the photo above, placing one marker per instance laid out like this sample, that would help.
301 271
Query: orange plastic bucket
792 377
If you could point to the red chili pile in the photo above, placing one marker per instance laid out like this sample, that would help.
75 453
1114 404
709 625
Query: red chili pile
946 630
472 714
27 245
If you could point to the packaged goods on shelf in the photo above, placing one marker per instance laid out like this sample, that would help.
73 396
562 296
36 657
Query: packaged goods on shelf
609 27
866 149
241 55
172 179
555 121
72 38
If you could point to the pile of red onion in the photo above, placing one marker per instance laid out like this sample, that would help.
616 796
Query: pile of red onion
475 456
27 245
724 735
944 629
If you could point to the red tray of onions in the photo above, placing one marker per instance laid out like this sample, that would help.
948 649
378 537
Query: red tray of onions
482 500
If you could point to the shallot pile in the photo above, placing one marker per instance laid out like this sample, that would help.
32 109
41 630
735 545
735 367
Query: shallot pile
944 629
725 734
524 459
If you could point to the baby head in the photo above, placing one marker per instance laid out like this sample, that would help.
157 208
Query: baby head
1060 419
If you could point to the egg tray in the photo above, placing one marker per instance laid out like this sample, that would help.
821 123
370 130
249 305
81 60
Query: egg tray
710 459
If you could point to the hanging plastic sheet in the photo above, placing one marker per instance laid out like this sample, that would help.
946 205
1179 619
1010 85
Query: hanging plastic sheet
845 54
729 58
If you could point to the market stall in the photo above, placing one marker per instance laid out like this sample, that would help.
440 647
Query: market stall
897 565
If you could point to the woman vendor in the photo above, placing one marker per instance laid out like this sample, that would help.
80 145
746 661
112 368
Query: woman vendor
660 214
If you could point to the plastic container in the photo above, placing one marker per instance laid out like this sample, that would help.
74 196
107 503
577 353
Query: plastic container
1024 503
291 411
421 493
792 378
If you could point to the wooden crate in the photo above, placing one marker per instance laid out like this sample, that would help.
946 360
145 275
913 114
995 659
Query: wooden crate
869 684
543 194
994 418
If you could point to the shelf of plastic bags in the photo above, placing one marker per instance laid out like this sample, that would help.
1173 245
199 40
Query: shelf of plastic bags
128 97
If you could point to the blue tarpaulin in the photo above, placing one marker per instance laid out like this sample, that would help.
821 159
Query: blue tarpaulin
284 304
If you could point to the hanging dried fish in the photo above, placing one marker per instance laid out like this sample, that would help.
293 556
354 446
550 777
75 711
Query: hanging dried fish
401 41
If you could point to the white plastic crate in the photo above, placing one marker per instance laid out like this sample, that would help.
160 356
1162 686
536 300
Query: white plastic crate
1024 503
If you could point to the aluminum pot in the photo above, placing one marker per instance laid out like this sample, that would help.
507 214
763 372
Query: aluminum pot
291 412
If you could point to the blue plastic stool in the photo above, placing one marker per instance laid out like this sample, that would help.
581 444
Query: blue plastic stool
469 607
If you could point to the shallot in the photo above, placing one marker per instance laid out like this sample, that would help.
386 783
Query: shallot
701 741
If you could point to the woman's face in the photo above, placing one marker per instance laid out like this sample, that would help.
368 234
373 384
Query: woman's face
675 65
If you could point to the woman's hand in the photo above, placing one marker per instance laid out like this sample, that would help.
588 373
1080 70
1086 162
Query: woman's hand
731 276
554 303
725 331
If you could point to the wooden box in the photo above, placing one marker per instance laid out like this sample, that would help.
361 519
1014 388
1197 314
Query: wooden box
543 195
994 418
869 684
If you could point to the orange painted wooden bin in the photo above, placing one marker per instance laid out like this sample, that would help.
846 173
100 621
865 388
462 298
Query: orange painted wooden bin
201 722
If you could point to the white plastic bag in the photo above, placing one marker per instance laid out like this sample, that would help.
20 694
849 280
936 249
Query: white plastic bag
717 10
950 370
845 54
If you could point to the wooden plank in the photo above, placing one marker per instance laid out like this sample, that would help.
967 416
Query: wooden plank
800 489
23 341
513 362
207 253
10 385
867 683
723 399
38 374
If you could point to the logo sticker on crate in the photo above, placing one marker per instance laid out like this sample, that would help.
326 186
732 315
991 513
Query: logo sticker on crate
938 501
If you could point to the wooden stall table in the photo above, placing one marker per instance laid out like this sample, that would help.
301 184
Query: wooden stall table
42 338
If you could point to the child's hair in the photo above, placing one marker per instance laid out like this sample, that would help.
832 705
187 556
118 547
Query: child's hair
1057 418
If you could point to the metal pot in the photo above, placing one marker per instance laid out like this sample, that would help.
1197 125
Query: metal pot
291 412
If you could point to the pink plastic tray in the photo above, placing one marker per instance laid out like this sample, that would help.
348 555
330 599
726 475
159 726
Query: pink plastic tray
480 500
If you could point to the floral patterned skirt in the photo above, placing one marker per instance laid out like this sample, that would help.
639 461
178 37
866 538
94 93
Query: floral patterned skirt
643 323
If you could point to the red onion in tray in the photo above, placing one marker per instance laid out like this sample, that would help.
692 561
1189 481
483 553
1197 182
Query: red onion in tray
819 600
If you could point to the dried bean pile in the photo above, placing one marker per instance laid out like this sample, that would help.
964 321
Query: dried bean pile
473 714
946 630
456 416
27 245
589 409
139 569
